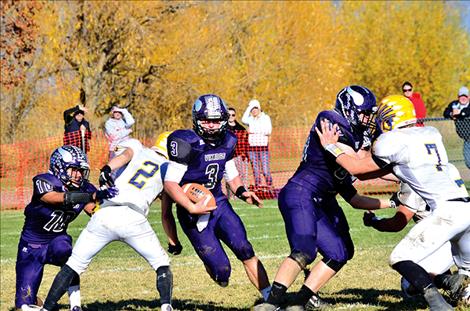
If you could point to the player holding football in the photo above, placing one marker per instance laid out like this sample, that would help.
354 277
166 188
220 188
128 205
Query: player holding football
416 155
204 155
313 219
58 197
123 218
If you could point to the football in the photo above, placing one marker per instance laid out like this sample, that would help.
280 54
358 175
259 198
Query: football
197 192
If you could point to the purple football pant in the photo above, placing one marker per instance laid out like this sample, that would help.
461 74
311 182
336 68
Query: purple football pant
224 225
30 263
315 224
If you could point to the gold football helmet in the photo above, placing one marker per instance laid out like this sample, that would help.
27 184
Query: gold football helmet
395 111
160 144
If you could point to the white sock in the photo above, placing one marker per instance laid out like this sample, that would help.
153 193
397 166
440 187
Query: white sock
74 296
265 292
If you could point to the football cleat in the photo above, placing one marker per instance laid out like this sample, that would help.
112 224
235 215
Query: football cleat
316 303
435 300
77 308
166 307
456 284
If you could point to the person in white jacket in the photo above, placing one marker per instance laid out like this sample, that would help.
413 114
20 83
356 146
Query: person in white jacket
260 129
118 128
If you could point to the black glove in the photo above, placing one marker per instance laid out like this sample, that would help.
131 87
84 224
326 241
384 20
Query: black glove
394 200
105 177
369 219
175 249
107 193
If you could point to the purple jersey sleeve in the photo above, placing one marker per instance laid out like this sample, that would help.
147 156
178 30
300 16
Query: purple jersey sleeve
43 221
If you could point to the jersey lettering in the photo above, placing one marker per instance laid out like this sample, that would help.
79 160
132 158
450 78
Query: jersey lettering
144 174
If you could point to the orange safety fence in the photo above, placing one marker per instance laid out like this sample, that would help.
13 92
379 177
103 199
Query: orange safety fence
21 161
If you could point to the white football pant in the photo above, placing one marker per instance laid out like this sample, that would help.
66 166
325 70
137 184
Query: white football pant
449 222
117 223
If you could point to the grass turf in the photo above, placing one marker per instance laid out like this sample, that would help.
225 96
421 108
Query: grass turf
119 279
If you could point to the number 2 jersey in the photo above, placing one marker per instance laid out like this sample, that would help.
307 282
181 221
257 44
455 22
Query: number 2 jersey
141 180
418 157
43 221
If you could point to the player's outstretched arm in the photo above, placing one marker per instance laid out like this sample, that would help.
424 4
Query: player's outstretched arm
395 223
369 203
169 225
329 136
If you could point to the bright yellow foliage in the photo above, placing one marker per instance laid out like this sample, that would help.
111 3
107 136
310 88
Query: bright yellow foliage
155 58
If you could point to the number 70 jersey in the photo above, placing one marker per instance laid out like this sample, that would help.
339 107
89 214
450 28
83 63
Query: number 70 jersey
141 180
419 158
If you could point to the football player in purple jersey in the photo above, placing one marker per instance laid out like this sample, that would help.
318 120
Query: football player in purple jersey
58 197
204 155
314 221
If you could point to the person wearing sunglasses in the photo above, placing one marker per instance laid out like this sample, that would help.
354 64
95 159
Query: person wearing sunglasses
415 98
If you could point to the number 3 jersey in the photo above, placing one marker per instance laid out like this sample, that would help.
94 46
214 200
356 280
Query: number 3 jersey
419 158
204 163
141 180
43 221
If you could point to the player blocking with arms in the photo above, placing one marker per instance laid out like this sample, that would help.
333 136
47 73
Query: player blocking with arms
204 155
123 218
314 221
58 197
417 156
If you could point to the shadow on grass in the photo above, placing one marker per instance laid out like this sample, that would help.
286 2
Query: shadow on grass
375 298
140 304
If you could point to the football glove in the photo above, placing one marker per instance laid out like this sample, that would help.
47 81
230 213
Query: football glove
106 193
369 219
105 177
175 249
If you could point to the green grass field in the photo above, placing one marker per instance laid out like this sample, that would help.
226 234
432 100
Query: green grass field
119 279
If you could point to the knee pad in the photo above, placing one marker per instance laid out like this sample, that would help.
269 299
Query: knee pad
244 252
220 274
333 264
302 259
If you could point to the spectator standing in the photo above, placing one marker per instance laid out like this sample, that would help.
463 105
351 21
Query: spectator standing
241 149
77 129
260 129
417 101
459 111
118 128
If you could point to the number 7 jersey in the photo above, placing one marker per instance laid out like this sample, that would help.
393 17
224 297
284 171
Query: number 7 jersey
419 158
141 180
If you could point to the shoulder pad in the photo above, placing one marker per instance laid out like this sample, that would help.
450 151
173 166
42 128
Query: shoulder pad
179 146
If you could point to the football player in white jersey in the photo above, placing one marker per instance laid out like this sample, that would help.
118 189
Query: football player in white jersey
416 155
123 218
411 206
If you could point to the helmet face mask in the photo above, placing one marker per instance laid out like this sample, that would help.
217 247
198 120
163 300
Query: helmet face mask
358 105
210 118
70 165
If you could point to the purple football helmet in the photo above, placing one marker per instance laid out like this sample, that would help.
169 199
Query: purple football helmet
210 107
358 105
66 157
